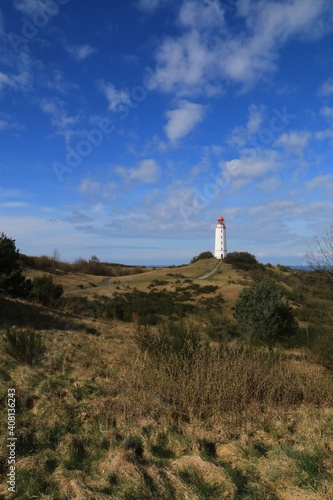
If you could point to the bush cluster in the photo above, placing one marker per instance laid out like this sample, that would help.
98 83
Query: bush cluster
92 266
242 260
201 256
263 315
174 340
148 308
44 291
145 307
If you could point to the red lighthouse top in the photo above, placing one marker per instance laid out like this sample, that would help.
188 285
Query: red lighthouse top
220 219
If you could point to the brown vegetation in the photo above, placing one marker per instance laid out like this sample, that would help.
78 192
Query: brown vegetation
181 410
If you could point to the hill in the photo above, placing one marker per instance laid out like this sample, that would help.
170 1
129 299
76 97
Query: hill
104 409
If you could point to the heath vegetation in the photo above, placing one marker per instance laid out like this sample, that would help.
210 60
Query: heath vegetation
161 385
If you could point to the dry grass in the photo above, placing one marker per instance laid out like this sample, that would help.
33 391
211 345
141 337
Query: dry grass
99 419
69 281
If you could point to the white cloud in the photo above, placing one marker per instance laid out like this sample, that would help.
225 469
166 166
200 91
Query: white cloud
241 135
116 98
10 193
147 171
13 204
80 52
184 64
16 82
58 82
320 182
325 134
36 235
270 24
255 119
243 7
59 117
7 125
327 112
178 194
294 141
206 51
285 19
271 183
54 107
183 119
88 186
94 190
30 7
4 125
326 88
201 15
251 168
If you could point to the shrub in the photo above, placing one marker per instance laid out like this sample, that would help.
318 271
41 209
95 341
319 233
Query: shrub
26 347
8 255
202 255
284 269
220 328
232 380
263 315
11 280
323 346
44 290
242 260
174 339
16 285
148 307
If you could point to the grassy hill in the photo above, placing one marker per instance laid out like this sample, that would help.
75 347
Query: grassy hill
106 411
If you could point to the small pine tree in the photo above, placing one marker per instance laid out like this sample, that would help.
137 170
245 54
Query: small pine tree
12 282
263 315
8 255
44 290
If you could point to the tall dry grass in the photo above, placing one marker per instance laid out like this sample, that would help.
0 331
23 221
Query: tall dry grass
184 378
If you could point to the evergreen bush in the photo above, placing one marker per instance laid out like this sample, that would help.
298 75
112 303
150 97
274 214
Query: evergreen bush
202 255
44 290
263 315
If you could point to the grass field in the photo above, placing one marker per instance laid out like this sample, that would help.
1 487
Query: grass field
97 417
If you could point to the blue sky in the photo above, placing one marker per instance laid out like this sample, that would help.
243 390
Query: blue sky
127 128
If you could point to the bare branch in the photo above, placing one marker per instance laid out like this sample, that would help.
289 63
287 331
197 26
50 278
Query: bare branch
320 254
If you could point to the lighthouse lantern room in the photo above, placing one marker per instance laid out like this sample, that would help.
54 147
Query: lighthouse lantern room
220 239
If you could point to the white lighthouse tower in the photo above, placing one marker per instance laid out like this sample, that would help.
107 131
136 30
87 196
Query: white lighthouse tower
220 239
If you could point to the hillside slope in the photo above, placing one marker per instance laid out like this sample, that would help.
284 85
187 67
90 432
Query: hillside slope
97 417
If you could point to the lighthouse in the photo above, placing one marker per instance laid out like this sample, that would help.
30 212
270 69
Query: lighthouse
220 239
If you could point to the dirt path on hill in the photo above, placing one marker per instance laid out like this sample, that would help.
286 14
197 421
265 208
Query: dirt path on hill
213 271
108 281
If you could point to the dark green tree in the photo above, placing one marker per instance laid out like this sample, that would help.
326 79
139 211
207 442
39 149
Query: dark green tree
44 290
263 315
8 255
241 260
16 285
12 282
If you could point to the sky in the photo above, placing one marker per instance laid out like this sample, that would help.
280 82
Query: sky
128 127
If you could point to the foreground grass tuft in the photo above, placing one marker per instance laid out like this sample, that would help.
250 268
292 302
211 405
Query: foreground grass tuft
25 346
